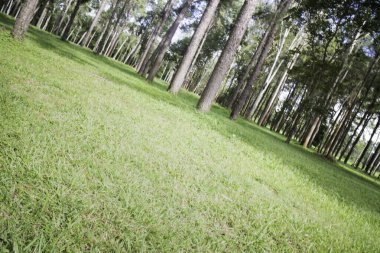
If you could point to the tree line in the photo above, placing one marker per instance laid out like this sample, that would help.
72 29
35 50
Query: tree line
307 69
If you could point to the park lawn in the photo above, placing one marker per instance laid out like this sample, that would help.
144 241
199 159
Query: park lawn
94 158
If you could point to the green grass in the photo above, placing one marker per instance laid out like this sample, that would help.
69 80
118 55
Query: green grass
93 158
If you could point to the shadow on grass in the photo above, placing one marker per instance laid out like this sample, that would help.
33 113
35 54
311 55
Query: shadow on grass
346 185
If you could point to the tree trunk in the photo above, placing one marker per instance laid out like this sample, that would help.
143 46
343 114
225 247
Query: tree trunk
355 131
57 26
191 69
271 74
158 55
44 27
97 44
40 12
371 162
94 23
282 9
338 133
194 45
149 47
103 39
119 49
66 32
357 138
114 33
227 56
22 22
368 144
292 128
132 52
42 18
310 133
283 79
242 79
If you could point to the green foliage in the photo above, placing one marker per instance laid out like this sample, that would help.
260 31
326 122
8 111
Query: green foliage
93 158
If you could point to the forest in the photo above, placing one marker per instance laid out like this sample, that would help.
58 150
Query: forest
190 125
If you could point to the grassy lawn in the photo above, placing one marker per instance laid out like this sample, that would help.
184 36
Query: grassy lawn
94 158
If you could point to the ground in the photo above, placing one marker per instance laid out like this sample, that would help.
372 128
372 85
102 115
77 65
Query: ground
94 158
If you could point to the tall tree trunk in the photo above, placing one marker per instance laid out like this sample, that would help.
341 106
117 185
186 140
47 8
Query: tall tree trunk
44 26
58 25
100 44
368 144
149 47
351 138
310 133
42 18
358 138
296 43
119 49
194 45
371 162
97 44
281 116
158 55
227 56
10 3
94 23
191 69
113 34
282 9
40 11
243 78
341 129
272 72
22 22
132 52
293 127
66 32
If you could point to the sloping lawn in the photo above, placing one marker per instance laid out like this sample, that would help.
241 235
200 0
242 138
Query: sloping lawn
94 158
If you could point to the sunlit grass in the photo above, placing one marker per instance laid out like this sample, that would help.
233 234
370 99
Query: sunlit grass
93 158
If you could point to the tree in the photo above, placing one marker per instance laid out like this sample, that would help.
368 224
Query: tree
94 23
158 55
74 13
282 9
227 56
24 18
149 47
195 43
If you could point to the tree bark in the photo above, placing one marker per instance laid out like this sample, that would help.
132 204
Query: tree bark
94 23
242 79
368 144
357 138
132 52
157 57
42 18
284 6
194 45
149 47
297 42
100 44
22 22
110 39
373 158
61 18
272 72
40 11
66 32
227 56
119 49
310 133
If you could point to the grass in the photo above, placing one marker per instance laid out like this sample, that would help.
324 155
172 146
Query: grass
94 158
